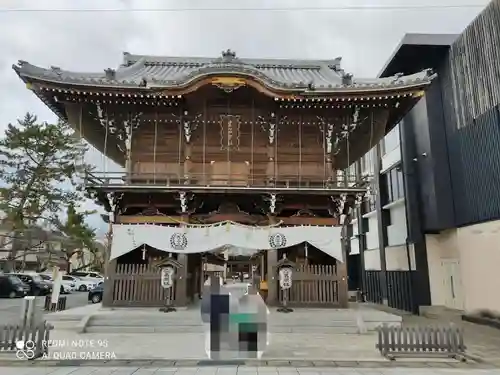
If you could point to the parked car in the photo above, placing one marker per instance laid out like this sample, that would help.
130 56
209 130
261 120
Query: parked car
11 286
67 286
91 276
95 295
36 284
80 284
48 280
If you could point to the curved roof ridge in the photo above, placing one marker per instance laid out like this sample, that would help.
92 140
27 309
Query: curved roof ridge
129 58
124 71
55 72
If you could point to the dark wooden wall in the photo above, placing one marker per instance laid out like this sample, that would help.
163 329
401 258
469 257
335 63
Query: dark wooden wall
471 102
296 153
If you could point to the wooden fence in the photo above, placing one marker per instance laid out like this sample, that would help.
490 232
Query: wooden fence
314 285
394 341
139 285
35 338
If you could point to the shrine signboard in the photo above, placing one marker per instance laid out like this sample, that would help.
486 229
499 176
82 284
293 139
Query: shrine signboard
167 276
285 277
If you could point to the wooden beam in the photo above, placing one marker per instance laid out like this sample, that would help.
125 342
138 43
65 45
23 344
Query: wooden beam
298 220
123 219
216 218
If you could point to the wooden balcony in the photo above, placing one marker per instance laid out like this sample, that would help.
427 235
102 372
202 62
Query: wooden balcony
121 181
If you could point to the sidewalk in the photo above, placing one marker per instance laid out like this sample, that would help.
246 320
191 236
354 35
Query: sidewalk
192 346
240 370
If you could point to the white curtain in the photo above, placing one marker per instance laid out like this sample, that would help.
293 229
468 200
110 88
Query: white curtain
191 240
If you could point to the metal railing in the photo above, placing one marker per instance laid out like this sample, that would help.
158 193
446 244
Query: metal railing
285 181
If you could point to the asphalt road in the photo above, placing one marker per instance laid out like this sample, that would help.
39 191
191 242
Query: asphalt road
10 309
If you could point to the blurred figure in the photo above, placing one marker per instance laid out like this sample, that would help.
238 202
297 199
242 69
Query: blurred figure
215 310
252 324
237 328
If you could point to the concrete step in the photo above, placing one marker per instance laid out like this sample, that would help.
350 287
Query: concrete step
143 329
64 325
348 329
300 321
138 322
178 323
441 313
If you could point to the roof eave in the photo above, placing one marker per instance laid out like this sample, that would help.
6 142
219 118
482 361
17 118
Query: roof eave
151 89
370 90
270 85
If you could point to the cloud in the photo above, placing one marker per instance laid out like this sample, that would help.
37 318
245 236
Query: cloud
93 41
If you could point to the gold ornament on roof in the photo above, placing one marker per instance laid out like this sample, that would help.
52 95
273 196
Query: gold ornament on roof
228 84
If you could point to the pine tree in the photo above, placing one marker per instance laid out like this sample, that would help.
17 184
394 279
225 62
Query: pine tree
79 236
39 168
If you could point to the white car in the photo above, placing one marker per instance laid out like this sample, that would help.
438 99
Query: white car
81 284
90 276
67 286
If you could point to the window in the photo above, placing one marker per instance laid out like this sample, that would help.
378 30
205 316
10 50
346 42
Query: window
15 280
366 225
390 141
368 162
79 274
394 185
401 185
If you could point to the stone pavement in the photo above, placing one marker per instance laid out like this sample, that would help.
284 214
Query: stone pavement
240 370
482 342
176 346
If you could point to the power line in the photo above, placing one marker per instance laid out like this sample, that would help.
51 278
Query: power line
273 9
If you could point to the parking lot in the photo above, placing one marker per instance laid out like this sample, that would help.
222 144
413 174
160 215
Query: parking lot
10 308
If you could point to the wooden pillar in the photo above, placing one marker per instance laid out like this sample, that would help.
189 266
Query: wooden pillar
272 167
110 265
187 166
109 284
272 275
182 273
272 272
181 284
342 274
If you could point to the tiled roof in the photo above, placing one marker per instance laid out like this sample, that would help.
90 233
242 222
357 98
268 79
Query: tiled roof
139 71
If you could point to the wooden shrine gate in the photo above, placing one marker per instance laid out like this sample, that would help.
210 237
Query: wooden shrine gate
139 285
315 286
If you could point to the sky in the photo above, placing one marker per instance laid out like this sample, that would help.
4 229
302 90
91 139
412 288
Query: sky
59 33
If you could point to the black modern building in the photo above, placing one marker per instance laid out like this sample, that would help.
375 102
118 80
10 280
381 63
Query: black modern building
448 176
